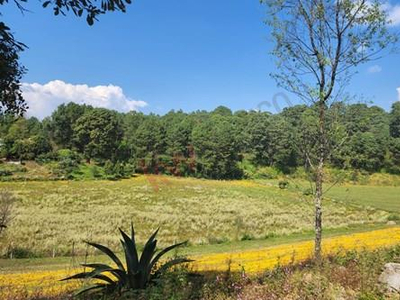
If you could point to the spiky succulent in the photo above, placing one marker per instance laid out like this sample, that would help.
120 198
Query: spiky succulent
138 272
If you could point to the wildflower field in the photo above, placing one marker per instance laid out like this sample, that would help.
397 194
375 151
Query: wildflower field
46 282
249 226
52 218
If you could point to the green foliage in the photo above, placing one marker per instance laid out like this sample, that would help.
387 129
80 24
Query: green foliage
267 173
308 192
283 184
216 148
11 72
19 252
216 144
394 217
67 162
395 120
248 168
97 134
63 120
5 173
137 274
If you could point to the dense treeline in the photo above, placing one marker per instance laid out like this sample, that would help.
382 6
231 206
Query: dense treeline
218 144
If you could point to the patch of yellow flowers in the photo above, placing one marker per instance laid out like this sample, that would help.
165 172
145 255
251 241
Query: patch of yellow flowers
45 283
252 261
255 261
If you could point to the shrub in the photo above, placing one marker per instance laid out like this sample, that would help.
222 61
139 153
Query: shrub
5 173
393 217
283 184
217 240
20 252
139 271
247 237
267 173
68 162
248 169
308 192
95 171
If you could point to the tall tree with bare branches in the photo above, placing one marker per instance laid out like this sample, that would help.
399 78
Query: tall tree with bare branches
318 45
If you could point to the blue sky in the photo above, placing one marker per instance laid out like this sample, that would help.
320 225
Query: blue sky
175 54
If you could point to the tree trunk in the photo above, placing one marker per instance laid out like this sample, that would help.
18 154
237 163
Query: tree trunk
319 183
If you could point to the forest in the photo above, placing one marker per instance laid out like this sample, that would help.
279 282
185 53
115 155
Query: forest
220 144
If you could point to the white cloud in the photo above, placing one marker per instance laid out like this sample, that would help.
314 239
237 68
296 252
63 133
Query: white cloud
398 92
374 69
44 99
393 12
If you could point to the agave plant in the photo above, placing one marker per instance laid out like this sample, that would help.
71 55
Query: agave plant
138 273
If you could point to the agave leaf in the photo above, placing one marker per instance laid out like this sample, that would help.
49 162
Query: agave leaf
130 253
98 269
147 254
90 288
163 252
101 268
148 251
152 238
109 253
89 275
105 278
132 233
82 275
97 266
145 260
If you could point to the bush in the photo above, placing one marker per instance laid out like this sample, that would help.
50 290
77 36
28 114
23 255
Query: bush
67 163
248 169
47 157
247 237
20 252
217 240
308 192
6 173
267 173
393 217
283 184
95 171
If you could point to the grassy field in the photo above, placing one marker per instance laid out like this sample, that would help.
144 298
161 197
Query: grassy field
380 197
53 218
237 224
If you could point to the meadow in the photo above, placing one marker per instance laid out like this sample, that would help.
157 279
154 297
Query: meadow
28 283
53 218
243 225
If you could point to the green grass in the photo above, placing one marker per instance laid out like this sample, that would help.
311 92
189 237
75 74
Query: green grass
381 197
51 218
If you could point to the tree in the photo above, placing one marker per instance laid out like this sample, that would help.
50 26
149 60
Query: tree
150 137
216 149
317 45
11 71
97 134
395 120
62 122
